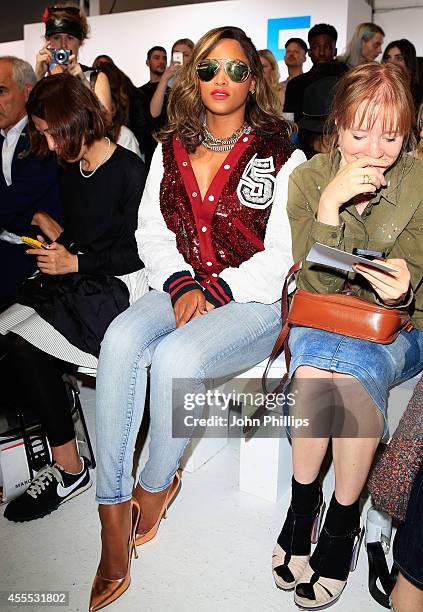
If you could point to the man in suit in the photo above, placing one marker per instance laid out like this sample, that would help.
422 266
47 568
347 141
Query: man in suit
28 185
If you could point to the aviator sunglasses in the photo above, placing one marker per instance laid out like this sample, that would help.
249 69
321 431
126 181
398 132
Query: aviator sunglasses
236 70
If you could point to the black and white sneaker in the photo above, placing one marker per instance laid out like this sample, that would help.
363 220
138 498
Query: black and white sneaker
50 488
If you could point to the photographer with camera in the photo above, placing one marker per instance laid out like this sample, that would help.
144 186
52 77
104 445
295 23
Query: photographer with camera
120 87
66 29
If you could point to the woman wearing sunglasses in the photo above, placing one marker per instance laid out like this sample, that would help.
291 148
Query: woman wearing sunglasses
215 238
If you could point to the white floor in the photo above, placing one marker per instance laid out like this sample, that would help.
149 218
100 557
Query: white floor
213 553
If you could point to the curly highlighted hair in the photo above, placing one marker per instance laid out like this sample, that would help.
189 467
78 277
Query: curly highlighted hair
186 110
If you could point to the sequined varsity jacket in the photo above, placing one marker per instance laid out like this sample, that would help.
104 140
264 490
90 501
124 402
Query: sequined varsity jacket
235 242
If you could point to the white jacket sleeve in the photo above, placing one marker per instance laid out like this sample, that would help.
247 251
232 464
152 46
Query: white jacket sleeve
156 243
260 278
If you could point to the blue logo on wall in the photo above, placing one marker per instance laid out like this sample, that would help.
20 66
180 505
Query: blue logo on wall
275 26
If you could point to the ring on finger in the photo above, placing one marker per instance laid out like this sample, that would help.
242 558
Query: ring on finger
367 179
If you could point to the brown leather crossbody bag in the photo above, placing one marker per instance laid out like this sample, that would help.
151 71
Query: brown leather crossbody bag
340 313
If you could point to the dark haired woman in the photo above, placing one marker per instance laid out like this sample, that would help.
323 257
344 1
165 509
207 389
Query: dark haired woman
121 103
67 28
63 313
214 234
403 53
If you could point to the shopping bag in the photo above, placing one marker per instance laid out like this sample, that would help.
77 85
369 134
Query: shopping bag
21 457
15 474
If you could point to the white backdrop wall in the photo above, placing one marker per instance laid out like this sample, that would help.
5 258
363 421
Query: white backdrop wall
16 47
394 4
402 23
359 11
126 37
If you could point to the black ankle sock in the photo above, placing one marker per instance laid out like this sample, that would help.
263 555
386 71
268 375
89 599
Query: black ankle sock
295 535
342 519
305 497
332 556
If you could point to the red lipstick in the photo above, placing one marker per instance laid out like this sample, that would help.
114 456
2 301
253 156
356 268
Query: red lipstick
219 94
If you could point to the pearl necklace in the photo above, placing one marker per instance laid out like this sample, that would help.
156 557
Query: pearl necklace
98 165
222 144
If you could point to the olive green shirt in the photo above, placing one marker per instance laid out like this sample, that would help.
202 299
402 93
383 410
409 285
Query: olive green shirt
391 222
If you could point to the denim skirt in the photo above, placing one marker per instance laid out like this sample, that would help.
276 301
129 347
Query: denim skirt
378 367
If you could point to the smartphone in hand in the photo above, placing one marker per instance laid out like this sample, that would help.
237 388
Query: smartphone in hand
33 243
178 57
367 254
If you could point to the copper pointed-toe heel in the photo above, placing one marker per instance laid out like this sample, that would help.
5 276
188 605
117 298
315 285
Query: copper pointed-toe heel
142 538
106 590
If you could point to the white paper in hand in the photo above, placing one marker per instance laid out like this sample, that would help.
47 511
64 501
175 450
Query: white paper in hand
335 258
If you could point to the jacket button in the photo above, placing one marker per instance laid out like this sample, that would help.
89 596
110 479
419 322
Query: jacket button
204 229
211 198
194 194
209 263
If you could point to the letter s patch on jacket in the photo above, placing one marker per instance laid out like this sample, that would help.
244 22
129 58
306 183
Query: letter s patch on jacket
257 186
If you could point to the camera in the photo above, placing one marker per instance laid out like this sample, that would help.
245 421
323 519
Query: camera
59 56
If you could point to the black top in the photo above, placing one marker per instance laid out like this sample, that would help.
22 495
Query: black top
100 213
149 89
417 93
155 123
138 118
294 94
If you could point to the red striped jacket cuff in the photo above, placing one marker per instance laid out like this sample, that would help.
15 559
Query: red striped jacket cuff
218 293
180 283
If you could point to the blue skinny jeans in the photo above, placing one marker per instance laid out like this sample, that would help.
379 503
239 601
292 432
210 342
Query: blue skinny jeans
222 342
